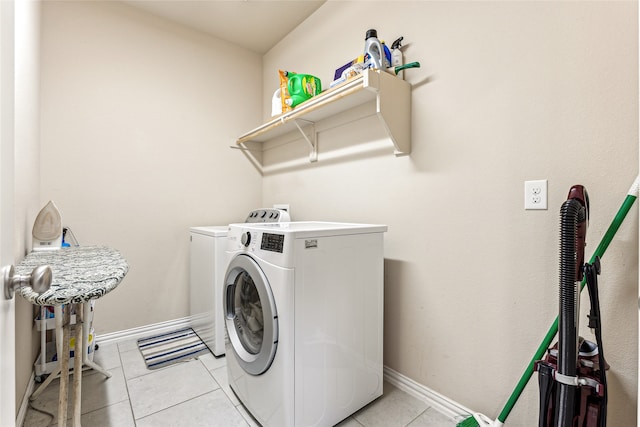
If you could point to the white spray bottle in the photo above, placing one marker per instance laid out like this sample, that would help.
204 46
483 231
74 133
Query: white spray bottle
396 56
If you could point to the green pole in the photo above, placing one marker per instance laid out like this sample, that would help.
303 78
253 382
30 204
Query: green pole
553 330
628 202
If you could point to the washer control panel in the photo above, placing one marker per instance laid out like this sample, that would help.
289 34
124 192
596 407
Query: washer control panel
272 242
268 215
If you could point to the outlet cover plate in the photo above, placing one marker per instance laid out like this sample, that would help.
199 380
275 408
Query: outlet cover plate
535 194
283 206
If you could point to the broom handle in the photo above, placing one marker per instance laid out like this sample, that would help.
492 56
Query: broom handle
632 195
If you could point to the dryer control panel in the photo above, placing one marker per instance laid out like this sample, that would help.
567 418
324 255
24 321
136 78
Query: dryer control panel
268 215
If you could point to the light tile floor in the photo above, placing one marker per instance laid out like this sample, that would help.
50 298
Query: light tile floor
195 393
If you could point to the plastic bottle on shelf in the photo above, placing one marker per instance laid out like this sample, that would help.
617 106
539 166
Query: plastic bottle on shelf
373 52
396 55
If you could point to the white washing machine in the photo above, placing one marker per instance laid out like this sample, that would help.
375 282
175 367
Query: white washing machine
208 263
303 307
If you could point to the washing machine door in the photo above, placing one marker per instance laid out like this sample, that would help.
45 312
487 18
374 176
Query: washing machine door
250 315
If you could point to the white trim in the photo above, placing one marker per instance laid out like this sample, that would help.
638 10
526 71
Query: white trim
440 402
24 406
143 331
436 400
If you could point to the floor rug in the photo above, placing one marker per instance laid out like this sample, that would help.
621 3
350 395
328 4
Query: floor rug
165 349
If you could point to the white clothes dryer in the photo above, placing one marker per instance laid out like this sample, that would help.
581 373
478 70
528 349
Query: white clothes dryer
208 264
303 307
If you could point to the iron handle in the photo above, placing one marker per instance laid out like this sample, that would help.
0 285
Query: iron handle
39 280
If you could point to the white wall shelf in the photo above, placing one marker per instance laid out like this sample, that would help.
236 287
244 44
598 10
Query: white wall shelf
391 95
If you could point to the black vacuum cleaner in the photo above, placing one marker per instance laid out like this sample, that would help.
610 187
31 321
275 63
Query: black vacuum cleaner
572 377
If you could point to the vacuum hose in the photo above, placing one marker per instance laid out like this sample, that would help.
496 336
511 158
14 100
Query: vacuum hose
573 228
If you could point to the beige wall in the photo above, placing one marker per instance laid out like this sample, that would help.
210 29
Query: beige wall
137 118
27 171
137 115
507 92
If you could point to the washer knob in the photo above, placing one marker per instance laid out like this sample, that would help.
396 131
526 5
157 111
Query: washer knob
245 239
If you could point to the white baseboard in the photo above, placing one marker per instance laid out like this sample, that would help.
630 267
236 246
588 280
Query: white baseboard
438 401
143 331
22 412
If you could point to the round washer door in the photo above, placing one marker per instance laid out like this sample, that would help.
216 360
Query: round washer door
250 315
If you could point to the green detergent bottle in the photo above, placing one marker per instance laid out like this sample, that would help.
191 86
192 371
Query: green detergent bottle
303 87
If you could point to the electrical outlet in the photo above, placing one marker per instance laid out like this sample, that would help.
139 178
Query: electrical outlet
535 194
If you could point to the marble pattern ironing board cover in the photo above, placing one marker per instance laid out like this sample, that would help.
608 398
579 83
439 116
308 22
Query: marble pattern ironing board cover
80 274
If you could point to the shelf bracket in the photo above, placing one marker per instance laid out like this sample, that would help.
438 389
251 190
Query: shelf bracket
310 136
243 148
253 151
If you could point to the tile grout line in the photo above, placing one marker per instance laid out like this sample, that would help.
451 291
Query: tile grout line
417 416
219 384
219 387
135 420
235 407
126 384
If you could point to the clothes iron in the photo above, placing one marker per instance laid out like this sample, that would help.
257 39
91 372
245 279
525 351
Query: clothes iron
47 229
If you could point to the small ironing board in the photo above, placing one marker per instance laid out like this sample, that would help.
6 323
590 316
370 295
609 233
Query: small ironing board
80 274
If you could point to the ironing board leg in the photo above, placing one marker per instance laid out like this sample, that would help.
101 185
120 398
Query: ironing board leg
87 328
50 378
54 374
43 338
98 368
77 365
64 369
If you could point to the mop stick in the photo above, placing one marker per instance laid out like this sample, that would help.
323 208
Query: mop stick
477 420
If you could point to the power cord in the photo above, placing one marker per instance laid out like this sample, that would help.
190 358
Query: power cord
42 411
